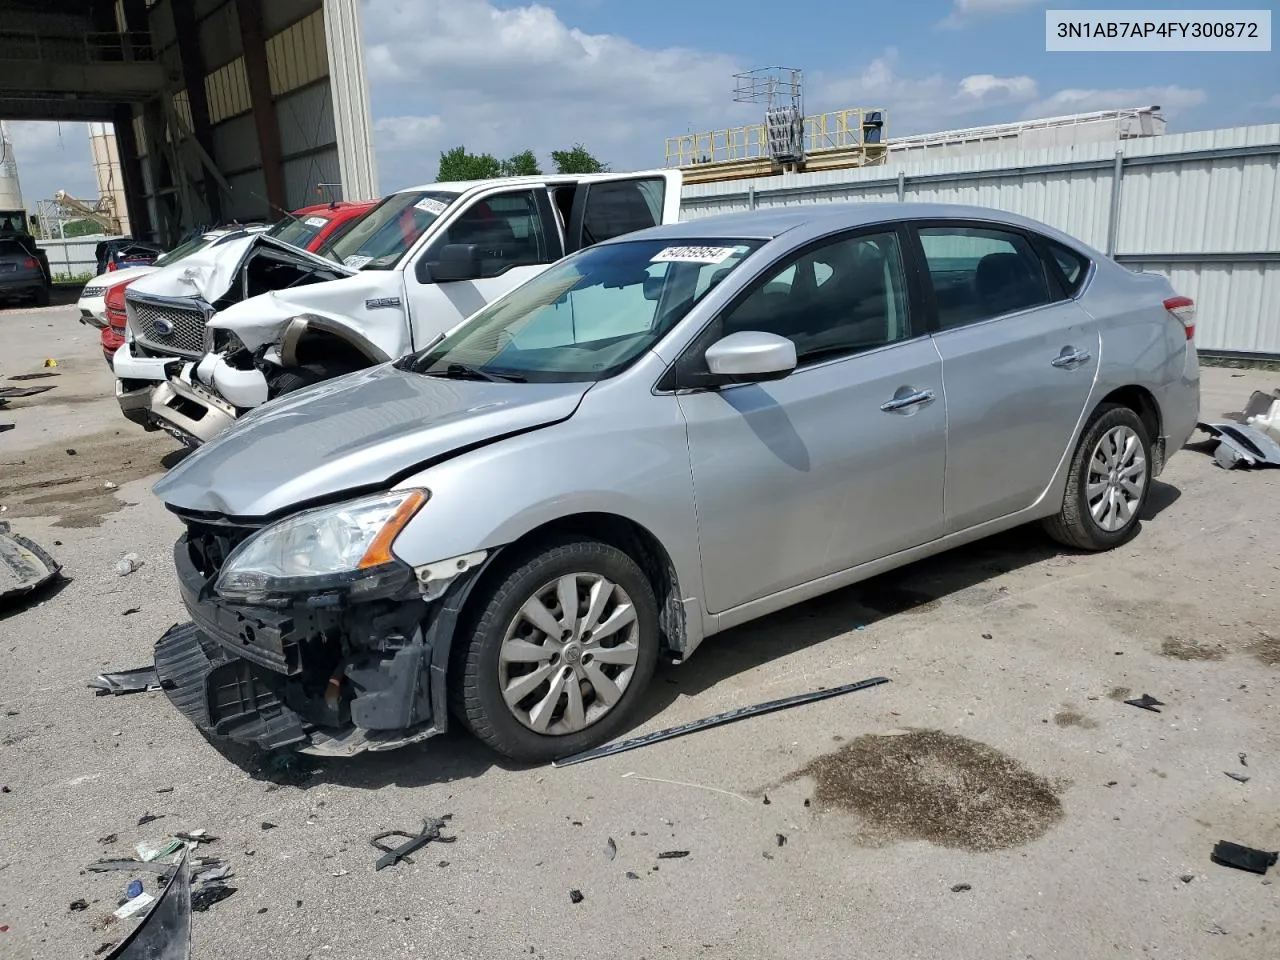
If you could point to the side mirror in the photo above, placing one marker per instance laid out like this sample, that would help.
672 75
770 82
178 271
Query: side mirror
751 356
456 261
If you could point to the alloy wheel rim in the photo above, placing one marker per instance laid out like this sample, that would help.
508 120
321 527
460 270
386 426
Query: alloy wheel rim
1117 479
569 654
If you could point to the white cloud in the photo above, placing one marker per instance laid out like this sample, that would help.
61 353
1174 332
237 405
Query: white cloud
50 157
924 104
451 72
1273 103
1171 99
963 12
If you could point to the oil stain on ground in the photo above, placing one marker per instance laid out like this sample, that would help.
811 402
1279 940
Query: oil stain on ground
1267 649
1074 718
48 481
1181 649
934 786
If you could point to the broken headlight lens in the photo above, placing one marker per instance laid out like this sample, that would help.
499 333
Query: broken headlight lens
344 548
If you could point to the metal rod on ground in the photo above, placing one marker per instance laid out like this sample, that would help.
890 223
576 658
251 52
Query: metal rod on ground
729 716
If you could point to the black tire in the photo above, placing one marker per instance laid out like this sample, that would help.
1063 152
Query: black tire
475 686
41 297
1074 525
296 378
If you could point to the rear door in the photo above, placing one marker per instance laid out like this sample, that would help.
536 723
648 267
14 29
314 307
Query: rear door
518 236
1019 357
610 206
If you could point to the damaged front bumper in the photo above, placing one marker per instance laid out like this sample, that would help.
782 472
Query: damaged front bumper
317 677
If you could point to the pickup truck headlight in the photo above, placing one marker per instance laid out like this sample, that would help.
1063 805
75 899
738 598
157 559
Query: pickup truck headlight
343 549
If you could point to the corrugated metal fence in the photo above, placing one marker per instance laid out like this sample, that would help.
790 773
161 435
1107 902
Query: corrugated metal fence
1201 208
73 257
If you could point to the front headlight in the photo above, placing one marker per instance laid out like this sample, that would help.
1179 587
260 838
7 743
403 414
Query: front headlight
343 548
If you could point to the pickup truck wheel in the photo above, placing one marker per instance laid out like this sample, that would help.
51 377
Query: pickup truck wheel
296 378
1108 483
561 652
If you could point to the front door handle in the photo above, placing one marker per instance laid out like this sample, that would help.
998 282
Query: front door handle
1070 358
907 401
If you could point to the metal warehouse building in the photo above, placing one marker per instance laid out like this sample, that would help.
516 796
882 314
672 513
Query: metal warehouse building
222 109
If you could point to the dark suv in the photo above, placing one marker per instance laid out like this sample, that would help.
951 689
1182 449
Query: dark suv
21 274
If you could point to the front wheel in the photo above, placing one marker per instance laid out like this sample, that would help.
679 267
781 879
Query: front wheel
560 654
1108 483
298 378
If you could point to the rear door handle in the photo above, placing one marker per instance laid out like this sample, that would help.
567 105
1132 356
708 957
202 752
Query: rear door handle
1072 358
906 402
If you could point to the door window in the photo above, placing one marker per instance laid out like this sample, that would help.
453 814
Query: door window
841 298
979 273
507 229
615 207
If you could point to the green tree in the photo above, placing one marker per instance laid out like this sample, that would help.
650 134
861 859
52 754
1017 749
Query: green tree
457 164
523 164
577 160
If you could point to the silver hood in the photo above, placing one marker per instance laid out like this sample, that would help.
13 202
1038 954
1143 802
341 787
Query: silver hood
353 432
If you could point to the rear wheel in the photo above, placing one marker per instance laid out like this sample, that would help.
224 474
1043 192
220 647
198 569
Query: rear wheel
1108 483
560 654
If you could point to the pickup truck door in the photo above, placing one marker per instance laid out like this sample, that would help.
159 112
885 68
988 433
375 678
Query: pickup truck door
608 206
517 236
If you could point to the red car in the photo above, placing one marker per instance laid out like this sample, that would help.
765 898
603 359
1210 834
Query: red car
310 228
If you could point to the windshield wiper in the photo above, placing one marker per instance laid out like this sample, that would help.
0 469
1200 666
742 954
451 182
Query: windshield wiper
460 371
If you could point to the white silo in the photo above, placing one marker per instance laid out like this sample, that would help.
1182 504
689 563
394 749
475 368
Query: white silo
10 190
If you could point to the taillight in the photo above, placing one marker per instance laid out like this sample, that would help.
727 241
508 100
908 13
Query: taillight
116 315
31 263
1183 309
111 265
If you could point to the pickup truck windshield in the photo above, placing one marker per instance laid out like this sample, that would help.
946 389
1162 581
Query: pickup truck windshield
381 238
588 317
298 231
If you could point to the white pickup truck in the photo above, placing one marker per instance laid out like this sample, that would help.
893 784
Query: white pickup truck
257 319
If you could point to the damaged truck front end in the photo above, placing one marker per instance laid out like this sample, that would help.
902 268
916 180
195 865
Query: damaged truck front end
333 663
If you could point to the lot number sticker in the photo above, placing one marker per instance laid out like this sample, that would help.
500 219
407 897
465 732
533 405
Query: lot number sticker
355 263
693 255
430 205
315 221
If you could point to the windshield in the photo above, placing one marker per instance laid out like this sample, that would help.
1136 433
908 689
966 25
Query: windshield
588 317
383 235
198 242
298 231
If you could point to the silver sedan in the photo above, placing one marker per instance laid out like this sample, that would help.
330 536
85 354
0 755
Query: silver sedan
657 439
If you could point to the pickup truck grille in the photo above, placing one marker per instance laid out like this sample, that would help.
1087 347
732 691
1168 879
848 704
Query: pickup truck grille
167 326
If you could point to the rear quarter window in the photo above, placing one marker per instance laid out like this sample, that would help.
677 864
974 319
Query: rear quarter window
1070 266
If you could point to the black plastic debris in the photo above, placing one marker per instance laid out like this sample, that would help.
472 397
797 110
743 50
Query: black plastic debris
1238 777
782 839
33 376
109 864
719 719
1147 702
268 825
137 680
632 876
210 893
131 611
431 828
149 817
610 849
7 426
1243 761
165 932
78 905
576 896
1243 858
961 888
673 854
1187 877
13 393
109 838
24 566
200 837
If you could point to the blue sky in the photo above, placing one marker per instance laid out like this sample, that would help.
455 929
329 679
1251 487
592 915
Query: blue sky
621 75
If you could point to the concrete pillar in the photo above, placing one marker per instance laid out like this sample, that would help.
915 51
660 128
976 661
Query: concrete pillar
252 36
344 45
193 73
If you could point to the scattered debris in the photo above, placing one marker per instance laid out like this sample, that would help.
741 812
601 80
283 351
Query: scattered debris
729 716
195 836
109 864
1187 877
14 393
1242 445
766 800
211 893
632 876
610 849
1239 777
131 611
1217 930
71 451
24 566
103 948
681 783
109 838
137 680
431 828
149 817
268 825
782 839
679 854
165 932
7 426
1243 762
135 905
148 852
32 376
164 790
986 636
78 905
134 889
50 362
1147 702
108 485
128 564
961 888
575 896
1243 858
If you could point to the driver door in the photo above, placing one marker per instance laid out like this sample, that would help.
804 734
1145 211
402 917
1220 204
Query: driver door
516 238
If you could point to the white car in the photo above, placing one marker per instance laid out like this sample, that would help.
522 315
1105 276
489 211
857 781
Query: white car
93 298
257 319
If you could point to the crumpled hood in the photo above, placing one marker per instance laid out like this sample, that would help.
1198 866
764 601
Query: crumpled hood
351 432
112 277
209 273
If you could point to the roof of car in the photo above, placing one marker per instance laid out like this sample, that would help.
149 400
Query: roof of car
773 222
462 186
344 205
